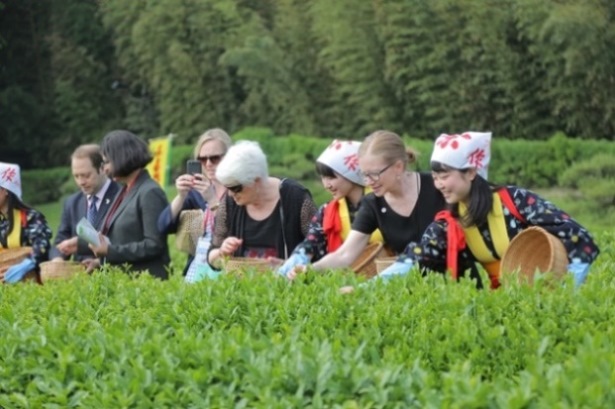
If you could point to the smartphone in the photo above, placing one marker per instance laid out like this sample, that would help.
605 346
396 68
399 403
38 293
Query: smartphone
193 167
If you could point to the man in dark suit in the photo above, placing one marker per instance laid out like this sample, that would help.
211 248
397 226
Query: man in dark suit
93 201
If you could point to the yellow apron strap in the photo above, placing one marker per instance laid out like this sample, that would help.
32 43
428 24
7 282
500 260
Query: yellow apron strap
14 239
376 236
497 228
344 217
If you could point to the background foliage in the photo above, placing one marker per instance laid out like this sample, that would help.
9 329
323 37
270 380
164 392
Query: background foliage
577 174
71 70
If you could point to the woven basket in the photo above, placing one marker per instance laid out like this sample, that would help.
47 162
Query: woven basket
10 257
60 270
383 263
365 264
531 250
189 229
239 265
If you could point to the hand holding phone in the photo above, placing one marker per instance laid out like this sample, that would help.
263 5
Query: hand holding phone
193 167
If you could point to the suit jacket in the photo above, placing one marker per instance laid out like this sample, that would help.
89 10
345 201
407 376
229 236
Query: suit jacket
133 232
75 208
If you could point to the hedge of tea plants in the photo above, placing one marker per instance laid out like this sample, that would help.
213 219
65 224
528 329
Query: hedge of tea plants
114 341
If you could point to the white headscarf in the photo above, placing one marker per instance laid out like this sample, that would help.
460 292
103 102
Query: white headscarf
463 151
343 157
10 178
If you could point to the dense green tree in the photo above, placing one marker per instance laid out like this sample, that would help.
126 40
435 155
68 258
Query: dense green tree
25 83
285 86
82 63
70 70
173 49
575 42
353 52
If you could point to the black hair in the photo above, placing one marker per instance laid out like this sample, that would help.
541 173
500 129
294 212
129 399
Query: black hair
480 201
14 203
325 171
126 152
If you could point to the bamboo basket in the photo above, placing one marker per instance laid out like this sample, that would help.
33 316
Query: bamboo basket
383 263
240 265
10 257
365 264
534 249
60 270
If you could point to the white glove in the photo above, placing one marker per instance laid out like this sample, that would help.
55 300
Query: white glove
296 259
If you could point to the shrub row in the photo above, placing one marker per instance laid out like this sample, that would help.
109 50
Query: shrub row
532 164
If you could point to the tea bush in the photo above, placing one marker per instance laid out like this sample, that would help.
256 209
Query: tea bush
110 340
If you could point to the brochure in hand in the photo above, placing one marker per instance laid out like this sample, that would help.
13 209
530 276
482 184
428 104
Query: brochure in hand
87 232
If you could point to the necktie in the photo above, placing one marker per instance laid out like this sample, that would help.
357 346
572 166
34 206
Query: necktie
92 211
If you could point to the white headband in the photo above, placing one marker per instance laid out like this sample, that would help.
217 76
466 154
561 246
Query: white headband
343 157
463 151
10 178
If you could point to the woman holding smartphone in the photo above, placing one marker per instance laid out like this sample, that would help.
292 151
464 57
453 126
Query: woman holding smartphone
198 190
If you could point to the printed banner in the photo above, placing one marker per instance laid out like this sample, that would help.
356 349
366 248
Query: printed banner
159 167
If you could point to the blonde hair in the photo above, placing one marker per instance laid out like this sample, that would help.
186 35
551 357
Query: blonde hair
214 134
389 146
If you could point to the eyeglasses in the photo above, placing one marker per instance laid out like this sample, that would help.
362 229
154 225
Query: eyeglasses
235 189
375 176
214 159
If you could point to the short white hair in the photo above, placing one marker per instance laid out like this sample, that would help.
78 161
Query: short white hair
243 164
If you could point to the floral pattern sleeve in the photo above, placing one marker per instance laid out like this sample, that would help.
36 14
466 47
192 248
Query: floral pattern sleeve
430 251
315 242
36 234
537 211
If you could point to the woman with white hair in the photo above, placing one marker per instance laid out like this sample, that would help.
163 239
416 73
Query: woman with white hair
261 216
338 167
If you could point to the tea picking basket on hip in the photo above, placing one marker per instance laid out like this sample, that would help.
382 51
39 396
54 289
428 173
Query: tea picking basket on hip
189 230
60 270
534 249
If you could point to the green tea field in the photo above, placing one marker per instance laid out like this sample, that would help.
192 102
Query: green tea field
111 341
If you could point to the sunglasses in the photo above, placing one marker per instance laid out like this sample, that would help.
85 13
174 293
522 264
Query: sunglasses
214 159
235 189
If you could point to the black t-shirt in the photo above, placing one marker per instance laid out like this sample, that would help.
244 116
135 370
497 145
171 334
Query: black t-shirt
261 236
398 231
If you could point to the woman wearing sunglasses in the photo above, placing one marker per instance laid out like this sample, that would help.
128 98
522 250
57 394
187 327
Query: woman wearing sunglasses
402 203
262 216
198 191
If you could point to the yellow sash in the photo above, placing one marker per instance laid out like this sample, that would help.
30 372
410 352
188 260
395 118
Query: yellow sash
499 235
14 239
376 236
